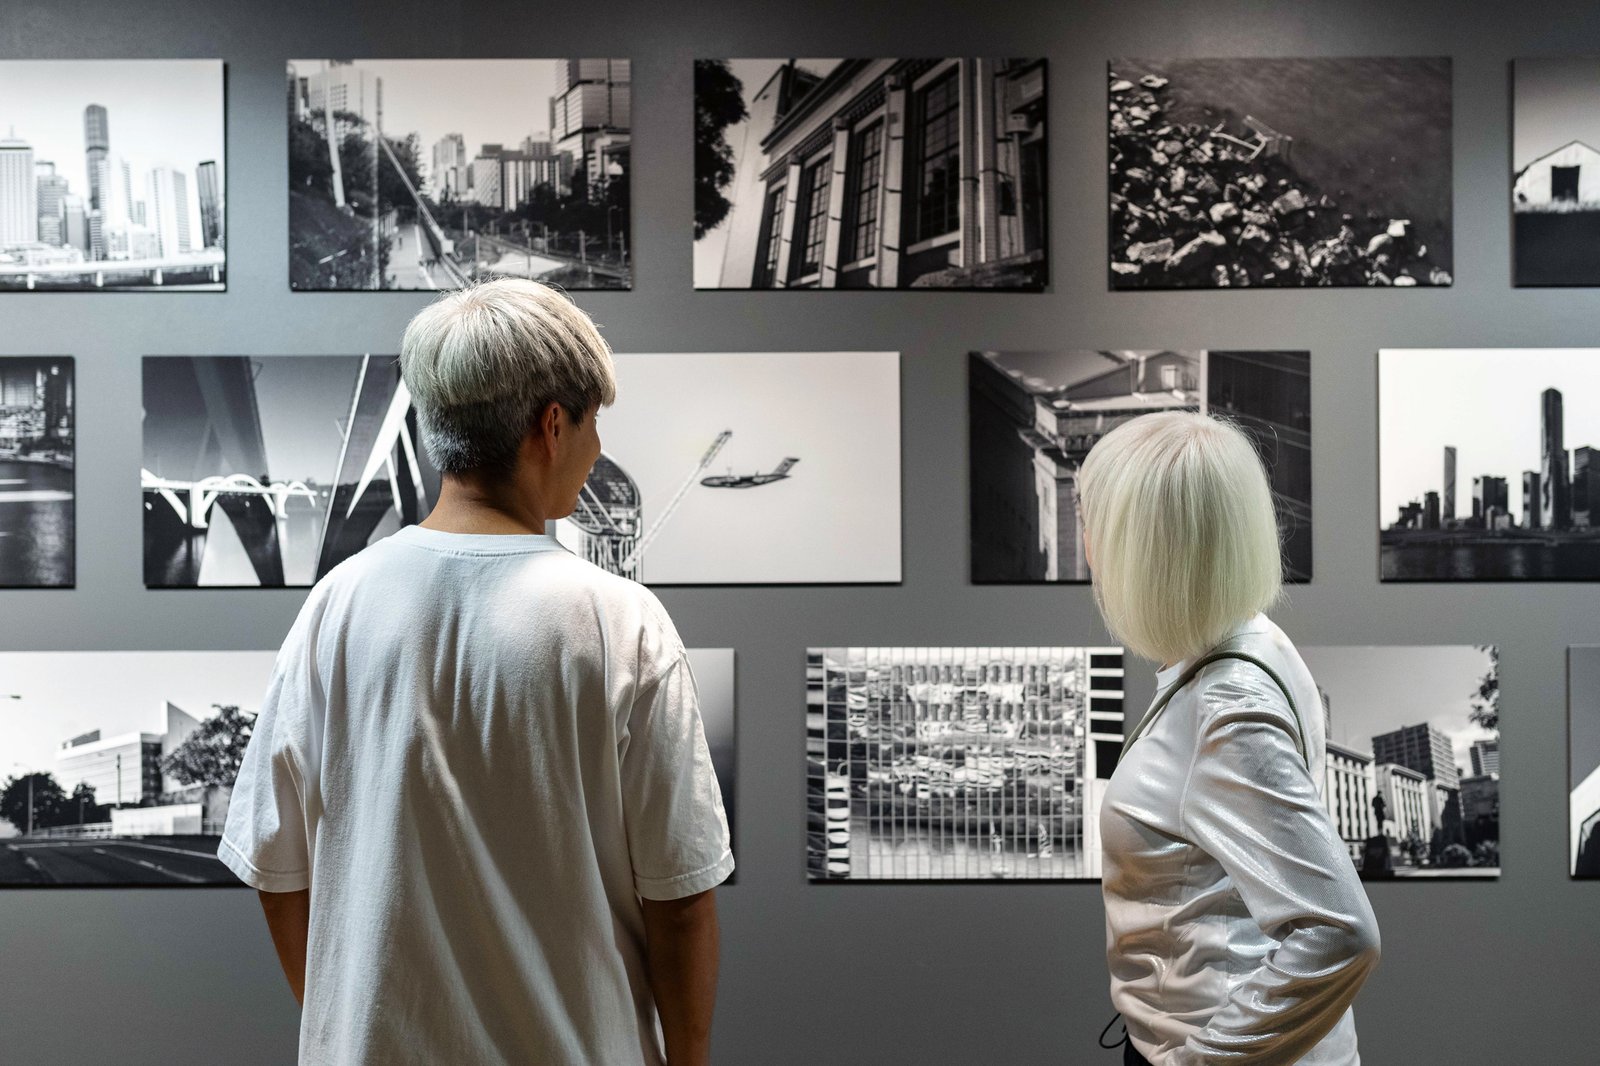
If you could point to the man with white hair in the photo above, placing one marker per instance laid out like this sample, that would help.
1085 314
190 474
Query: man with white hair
478 801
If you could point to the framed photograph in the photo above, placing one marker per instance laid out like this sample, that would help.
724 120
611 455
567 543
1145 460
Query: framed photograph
959 764
1555 183
1033 416
113 175
1488 468
119 765
267 472
1234 173
1583 751
1413 786
714 679
747 468
870 174
434 173
38 491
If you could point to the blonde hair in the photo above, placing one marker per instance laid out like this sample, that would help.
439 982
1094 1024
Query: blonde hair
1182 532
484 362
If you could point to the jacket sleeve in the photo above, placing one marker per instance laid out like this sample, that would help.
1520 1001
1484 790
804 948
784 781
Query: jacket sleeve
1250 803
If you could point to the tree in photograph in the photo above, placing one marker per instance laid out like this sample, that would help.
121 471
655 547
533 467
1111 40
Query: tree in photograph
1486 697
82 808
212 753
718 104
33 799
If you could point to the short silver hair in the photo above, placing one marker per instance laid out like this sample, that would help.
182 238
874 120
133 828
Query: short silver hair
1183 532
484 362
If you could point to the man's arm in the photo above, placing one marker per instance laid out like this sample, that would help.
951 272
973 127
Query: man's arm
289 919
681 946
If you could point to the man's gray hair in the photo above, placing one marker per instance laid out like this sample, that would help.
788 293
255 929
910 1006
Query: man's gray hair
484 362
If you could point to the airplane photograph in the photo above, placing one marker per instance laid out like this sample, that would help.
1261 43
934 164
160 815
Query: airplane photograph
750 481
652 510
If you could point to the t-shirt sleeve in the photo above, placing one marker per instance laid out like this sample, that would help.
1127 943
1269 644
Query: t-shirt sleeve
1251 804
678 837
265 839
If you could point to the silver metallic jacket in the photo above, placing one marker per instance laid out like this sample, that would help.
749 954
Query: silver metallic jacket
1237 929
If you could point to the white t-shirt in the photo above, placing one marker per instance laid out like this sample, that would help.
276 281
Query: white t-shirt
478 751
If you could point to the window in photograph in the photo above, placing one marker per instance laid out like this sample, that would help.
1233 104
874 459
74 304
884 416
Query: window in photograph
938 164
811 219
866 169
773 238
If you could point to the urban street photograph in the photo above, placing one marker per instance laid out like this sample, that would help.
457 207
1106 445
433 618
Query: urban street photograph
1489 464
1555 157
870 174
38 485
267 472
434 173
717 469
1248 172
116 767
112 175
1033 416
1413 786
959 764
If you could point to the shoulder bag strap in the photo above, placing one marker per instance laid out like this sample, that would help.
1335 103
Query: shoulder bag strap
1189 675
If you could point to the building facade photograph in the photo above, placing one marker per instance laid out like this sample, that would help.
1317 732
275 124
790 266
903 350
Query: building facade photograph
871 173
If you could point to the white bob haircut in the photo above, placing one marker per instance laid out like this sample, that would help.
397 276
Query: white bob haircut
484 362
1181 530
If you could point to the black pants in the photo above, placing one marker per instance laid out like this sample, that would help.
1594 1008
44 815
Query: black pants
1131 1056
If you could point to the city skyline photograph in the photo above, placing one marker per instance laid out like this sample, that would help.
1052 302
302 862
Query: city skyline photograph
1033 416
1280 172
959 764
796 185
116 767
38 483
269 471
1440 800
112 175
1555 181
1583 754
1485 411
485 167
739 468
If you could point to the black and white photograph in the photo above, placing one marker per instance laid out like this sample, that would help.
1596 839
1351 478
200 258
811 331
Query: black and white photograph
1413 785
870 174
116 767
959 764
112 175
1033 416
269 471
1555 158
1233 173
713 677
1583 749
1489 464
38 487
434 173
746 468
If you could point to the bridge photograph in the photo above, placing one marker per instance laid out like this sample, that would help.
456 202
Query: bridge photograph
724 468
433 173
112 175
268 472
37 485
116 768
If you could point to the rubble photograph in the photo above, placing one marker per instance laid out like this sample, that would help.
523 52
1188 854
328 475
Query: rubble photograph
1236 173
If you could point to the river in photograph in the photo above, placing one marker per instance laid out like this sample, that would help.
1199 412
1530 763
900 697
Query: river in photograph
1570 561
36 524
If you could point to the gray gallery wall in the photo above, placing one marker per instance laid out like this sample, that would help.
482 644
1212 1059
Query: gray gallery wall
1472 973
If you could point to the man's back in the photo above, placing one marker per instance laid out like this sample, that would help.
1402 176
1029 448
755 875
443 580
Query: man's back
480 751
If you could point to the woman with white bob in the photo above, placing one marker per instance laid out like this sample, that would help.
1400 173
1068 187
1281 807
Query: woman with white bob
1237 930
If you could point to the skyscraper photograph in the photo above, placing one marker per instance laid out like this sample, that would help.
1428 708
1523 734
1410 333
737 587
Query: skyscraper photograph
437 172
1508 437
112 175
38 491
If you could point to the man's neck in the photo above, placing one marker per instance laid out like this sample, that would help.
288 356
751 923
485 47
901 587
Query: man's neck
466 506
